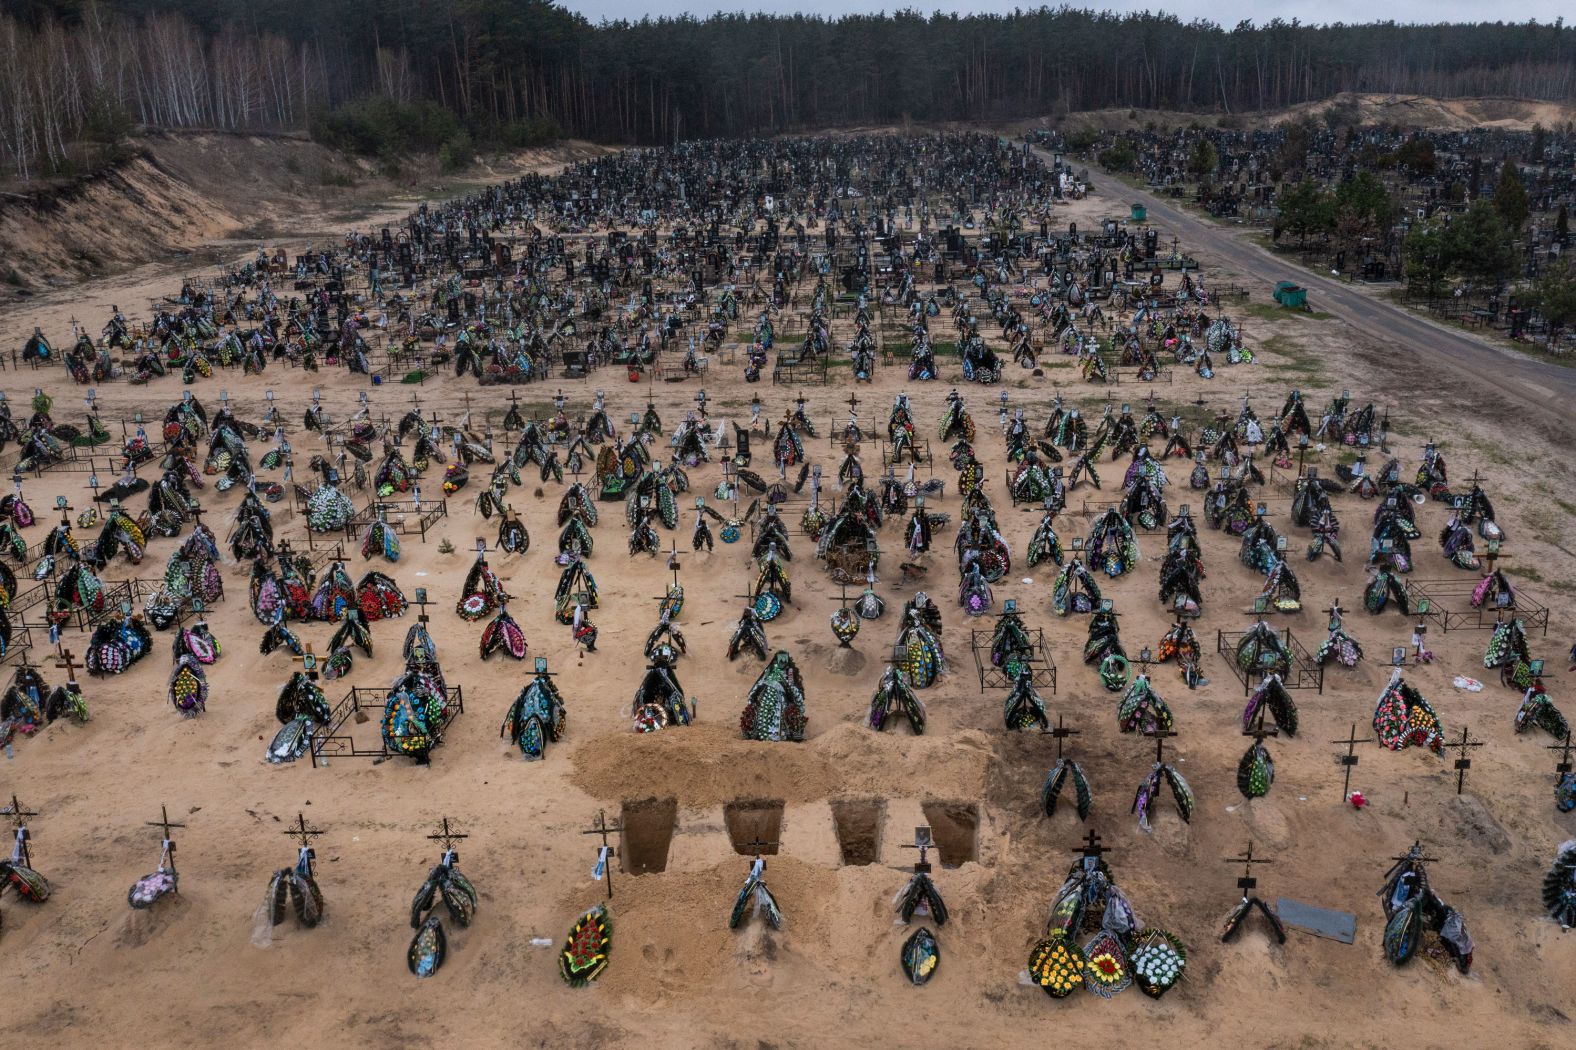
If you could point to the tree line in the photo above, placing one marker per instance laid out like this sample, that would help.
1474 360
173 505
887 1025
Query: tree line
497 65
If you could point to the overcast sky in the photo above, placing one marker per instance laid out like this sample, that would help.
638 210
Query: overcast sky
1225 12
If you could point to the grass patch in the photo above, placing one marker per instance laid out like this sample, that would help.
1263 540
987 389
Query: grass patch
1275 312
1296 361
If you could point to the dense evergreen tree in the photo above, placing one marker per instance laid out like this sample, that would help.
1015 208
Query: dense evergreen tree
503 65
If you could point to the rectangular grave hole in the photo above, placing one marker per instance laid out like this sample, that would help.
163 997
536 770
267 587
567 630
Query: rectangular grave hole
751 821
955 829
858 825
648 825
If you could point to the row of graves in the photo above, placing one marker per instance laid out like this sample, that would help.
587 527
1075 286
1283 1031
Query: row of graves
606 267
1094 939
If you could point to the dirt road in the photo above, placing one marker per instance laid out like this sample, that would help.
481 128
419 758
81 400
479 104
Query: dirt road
1540 388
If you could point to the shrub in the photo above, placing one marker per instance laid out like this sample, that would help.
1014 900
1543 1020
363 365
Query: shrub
455 154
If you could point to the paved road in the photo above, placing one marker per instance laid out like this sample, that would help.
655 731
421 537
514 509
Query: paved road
1547 389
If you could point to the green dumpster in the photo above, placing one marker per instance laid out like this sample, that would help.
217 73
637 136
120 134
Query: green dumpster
1290 294
1140 213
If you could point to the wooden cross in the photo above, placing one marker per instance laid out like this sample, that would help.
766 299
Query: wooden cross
67 662
700 401
514 402
1565 750
1247 882
421 602
1159 737
1259 730
923 843
1061 733
1492 554
197 513
308 661
673 560
18 817
65 510
165 823
1463 763
1090 846
303 831
603 828
415 400
1349 759
1145 658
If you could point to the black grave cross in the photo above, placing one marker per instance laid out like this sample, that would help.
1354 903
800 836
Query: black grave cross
1247 883
1061 733
608 853
19 816
421 602
1565 749
447 834
1416 853
1090 847
303 831
1464 745
757 845
924 844
1349 759
167 824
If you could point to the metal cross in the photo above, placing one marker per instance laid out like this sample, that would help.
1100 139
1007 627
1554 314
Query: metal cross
1090 846
603 828
1565 750
421 602
165 823
302 830
1416 853
758 844
1247 860
1349 759
1463 763
1061 733
447 835
923 843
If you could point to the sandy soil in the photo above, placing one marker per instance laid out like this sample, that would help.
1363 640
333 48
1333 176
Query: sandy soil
92 971
203 196
1407 111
